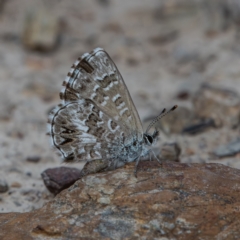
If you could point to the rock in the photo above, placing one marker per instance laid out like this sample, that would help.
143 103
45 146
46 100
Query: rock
57 179
41 31
183 95
174 8
220 14
16 185
166 36
199 127
221 105
7 107
113 27
227 150
176 201
170 152
3 186
182 55
33 159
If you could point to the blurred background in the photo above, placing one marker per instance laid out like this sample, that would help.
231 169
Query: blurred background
184 52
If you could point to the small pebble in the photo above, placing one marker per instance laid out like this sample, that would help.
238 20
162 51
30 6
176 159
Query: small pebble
18 204
33 159
3 186
16 185
229 149
29 174
57 179
170 152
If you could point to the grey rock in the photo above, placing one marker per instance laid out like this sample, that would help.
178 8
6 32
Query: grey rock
217 103
229 149
170 152
33 159
3 186
41 31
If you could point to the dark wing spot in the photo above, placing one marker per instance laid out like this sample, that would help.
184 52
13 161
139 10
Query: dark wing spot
110 136
96 110
99 132
126 114
114 79
113 125
118 101
86 66
69 158
67 130
81 156
81 87
69 94
100 95
105 81
66 141
92 120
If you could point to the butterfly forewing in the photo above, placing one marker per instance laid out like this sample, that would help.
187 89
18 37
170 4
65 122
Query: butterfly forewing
97 110
94 76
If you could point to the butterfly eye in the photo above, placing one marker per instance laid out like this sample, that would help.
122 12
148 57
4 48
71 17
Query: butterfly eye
148 139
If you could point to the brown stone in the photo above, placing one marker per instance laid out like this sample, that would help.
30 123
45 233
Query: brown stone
41 31
57 179
165 36
33 159
177 201
16 185
170 152
221 105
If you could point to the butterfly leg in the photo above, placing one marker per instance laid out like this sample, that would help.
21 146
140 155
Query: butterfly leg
159 161
150 156
136 166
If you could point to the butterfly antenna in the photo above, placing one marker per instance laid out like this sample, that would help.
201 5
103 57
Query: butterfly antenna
161 115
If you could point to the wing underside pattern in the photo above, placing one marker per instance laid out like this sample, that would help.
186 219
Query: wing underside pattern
96 110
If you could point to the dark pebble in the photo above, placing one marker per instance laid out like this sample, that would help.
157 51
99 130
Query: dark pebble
33 159
57 179
3 186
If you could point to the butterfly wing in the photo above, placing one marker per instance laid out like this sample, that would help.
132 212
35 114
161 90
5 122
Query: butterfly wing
97 109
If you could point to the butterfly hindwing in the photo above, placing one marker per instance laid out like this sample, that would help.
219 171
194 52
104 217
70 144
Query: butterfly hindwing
80 131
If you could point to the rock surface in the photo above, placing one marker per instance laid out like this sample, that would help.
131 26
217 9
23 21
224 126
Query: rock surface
176 201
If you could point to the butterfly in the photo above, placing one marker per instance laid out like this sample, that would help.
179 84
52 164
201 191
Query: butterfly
97 120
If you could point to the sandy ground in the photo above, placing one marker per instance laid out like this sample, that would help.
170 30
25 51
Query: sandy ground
129 30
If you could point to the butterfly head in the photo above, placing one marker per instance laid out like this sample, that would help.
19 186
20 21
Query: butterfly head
149 139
